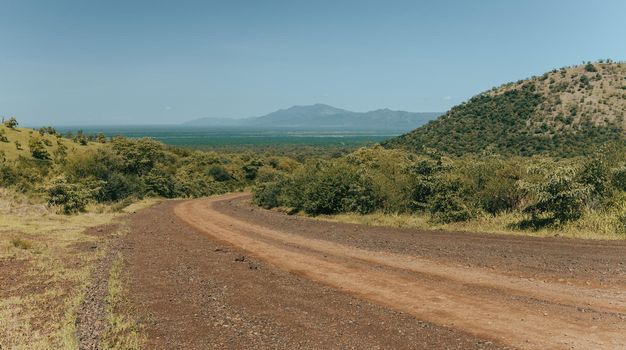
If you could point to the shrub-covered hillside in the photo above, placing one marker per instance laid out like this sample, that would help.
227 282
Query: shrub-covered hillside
44 143
565 112
71 172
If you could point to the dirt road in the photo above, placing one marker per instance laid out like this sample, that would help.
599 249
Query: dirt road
215 273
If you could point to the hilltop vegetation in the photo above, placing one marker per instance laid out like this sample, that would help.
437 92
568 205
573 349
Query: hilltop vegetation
566 112
18 142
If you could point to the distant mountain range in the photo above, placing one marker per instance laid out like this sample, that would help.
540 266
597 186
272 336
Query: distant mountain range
324 117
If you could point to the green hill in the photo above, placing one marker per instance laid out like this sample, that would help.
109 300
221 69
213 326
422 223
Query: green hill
565 112
10 150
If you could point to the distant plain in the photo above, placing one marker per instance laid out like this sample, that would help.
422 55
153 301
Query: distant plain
208 137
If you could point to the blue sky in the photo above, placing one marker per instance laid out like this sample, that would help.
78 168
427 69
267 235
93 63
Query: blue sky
134 62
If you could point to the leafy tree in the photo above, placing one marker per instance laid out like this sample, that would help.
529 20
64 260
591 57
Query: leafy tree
559 196
118 186
447 207
219 173
268 194
139 156
11 123
159 181
251 169
589 67
619 178
101 138
597 175
60 153
38 149
71 197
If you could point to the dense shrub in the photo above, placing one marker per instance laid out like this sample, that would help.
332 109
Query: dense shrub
38 148
159 181
11 123
447 207
559 196
597 175
138 156
70 197
449 189
618 179
268 194
118 186
219 173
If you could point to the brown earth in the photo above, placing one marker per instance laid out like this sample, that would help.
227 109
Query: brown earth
218 273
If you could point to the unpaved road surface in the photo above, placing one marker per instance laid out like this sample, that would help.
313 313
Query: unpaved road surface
218 273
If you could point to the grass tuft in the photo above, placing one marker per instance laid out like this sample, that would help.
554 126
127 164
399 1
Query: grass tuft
122 332
21 243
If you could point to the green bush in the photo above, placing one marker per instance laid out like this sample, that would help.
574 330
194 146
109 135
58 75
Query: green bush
160 182
597 175
219 173
38 149
268 194
139 156
559 196
11 123
447 207
118 186
192 183
618 178
336 188
70 197
361 196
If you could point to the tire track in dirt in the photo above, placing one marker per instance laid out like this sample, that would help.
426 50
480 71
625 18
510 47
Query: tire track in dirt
522 313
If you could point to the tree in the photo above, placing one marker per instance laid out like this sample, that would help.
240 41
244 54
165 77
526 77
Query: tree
72 198
101 138
559 196
219 173
589 67
60 153
38 149
11 123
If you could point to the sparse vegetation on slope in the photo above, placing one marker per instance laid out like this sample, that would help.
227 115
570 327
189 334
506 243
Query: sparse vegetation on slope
72 173
566 112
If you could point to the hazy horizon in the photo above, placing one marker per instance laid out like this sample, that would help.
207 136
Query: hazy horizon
72 62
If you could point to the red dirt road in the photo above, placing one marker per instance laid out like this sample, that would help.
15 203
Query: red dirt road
303 278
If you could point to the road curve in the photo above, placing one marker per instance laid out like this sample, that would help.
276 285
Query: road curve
552 312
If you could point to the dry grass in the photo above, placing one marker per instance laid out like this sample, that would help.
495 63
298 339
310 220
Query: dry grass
592 225
602 99
23 135
48 279
122 332
21 243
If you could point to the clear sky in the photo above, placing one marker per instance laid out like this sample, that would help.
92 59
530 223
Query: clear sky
110 62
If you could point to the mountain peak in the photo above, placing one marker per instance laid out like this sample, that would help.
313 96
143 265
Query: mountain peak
322 116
